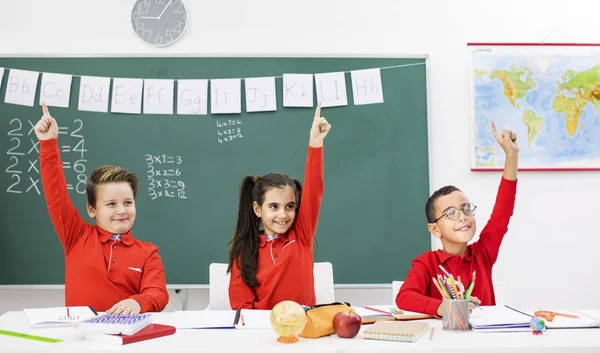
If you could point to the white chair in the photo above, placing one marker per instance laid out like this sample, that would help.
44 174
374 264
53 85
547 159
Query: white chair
324 290
218 279
395 289
219 285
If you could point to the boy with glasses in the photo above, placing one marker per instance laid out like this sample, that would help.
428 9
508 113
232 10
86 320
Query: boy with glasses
451 219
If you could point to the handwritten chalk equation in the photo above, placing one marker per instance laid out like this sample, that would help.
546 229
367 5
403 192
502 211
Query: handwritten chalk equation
229 130
163 173
23 170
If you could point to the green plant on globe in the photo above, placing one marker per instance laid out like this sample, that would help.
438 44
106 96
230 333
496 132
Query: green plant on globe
288 319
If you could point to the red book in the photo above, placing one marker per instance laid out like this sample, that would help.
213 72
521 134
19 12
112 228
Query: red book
149 332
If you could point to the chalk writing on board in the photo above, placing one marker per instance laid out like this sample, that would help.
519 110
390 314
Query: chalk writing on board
23 154
229 130
164 174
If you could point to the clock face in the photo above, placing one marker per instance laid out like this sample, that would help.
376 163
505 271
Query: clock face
159 22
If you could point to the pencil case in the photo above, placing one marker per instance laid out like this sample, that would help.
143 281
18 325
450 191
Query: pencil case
320 319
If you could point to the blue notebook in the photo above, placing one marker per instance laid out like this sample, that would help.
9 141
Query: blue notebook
115 324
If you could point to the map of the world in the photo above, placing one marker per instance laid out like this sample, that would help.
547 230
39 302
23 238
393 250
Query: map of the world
549 95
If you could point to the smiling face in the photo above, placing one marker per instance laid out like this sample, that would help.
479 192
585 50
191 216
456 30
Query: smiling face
453 232
115 207
278 210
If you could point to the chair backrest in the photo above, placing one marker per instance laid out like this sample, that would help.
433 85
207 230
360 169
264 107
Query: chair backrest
395 289
324 289
219 285
218 279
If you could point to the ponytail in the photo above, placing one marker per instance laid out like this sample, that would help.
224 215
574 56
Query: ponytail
243 247
244 243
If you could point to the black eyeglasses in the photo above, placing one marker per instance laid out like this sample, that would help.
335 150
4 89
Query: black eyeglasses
453 213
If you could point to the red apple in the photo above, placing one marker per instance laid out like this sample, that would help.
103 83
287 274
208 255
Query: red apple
346 324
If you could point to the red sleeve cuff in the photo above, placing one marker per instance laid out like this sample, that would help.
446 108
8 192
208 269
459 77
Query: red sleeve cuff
432 306
508 185
47 146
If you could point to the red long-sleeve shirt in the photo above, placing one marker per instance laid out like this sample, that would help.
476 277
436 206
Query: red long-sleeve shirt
419 294
285 264
99 272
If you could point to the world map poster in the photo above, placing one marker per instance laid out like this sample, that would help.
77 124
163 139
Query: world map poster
548 94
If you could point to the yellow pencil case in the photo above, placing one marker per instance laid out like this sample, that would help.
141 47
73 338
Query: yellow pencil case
320 319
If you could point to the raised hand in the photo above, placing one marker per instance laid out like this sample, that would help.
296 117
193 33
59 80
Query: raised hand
320 128
507 140
46 128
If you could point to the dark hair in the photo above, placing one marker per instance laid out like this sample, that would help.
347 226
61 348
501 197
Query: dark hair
430 205
245 238
109 174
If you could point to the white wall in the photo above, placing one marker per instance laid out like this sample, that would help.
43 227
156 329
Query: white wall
548 258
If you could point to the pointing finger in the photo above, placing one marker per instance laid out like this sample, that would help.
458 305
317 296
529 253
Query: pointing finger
318 111
495 132
45 109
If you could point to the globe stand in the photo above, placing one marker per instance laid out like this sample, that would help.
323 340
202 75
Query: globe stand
287 340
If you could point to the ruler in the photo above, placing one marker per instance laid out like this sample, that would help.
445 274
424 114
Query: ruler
29 337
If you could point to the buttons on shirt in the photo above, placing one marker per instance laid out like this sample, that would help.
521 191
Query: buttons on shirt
114 261
273 246
114 246
276 255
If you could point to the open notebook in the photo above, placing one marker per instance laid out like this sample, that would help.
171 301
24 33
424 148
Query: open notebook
504 318
373 313
222 319
58 316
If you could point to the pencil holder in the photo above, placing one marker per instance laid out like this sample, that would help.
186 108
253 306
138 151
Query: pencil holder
456 315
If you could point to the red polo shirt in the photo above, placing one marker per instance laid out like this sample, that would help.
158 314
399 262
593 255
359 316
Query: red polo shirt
99 271
285 264
419 294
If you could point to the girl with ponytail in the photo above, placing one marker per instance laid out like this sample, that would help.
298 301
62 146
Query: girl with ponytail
271 252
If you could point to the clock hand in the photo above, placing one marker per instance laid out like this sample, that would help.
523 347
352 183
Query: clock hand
165 9
159 16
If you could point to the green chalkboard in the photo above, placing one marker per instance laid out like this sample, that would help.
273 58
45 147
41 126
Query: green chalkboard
372 221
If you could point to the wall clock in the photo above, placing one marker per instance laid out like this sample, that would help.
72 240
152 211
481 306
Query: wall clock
159 22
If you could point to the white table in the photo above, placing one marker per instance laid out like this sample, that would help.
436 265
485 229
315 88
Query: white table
261 341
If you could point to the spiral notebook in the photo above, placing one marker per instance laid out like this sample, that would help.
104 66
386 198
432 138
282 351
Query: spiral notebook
402 331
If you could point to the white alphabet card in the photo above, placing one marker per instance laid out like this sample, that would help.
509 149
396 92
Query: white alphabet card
21 87
56 90
260 94
158 96
226 96
297 90
331 89
94 93
366 86
127 95
192 97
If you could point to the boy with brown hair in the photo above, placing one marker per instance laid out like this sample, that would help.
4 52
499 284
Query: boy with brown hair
105 267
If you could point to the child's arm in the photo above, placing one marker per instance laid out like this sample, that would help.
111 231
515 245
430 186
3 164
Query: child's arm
312 190
66 220
153 295
240 295
412 295
492 234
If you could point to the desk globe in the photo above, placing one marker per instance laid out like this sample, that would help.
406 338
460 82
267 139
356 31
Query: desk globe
288 319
